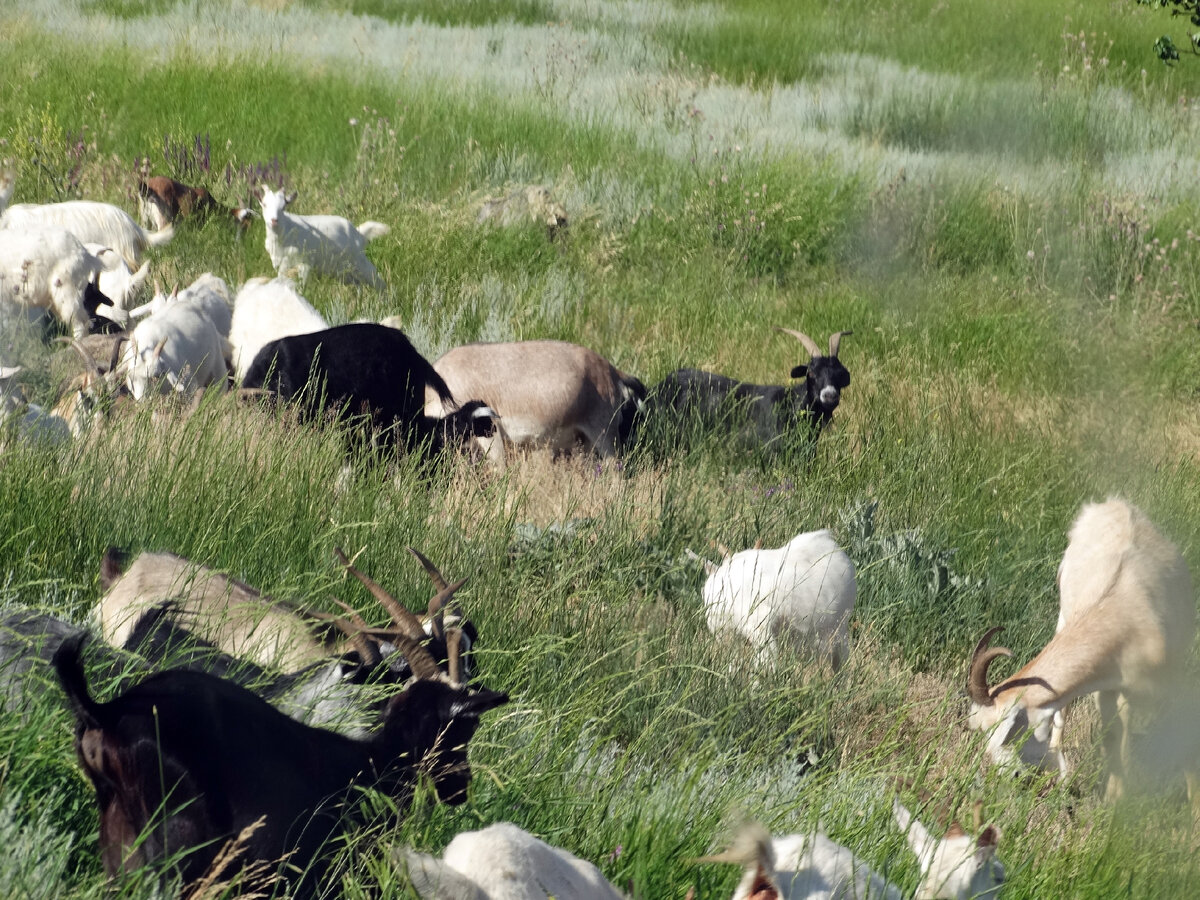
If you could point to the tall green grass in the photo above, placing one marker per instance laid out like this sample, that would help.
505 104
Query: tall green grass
1010 243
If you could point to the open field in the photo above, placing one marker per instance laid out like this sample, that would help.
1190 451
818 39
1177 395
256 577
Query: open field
1004 211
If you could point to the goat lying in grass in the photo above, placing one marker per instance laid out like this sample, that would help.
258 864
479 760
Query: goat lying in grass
183 762
503 862
1127 618
812 866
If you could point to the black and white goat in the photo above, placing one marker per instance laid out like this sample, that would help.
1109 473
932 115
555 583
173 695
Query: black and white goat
184 762
368 370
759 413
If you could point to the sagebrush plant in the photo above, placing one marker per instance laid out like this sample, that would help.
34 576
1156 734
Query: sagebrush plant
1008 228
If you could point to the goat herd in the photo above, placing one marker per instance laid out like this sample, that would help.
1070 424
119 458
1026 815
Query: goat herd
210 666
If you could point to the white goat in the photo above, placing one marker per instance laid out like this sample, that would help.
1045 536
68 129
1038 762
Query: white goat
800 594
116 280
209 293
1127 618
504 862
34 425
179 348
548 393
329 244
91 223
266 310
813 867
47 267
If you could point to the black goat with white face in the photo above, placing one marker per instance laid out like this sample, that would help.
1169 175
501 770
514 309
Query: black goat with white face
762 413
183 762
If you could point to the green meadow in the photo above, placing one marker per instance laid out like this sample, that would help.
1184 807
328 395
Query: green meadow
1000 203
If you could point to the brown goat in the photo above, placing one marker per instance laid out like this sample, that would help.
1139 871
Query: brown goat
162 200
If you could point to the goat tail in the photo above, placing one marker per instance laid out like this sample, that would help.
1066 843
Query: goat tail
160 237
372 230
69 667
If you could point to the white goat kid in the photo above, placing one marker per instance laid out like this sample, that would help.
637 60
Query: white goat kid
331 245
33 424
49 268
91 223
1126 623
178 349
504 862
801 594
266 310
813 867
958 865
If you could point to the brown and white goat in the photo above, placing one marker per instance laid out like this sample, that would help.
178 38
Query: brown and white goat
547 393
1126 622
162 200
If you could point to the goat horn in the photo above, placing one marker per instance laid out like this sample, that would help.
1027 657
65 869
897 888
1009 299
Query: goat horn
419 659
454 654
440 599
368 650
118 346
88 362
721 548
835 342
438 579
809 344
399 613
977 683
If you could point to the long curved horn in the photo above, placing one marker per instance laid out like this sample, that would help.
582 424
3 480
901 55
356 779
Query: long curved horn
419 659
438 579
809 344
440 599
454 654
977 683
399 613
835 342
115 359
88 362
355 631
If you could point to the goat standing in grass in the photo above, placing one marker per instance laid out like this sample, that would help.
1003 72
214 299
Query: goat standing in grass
1127 618
331 245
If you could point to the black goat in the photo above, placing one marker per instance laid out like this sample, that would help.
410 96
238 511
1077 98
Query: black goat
761 413
367 370
183 762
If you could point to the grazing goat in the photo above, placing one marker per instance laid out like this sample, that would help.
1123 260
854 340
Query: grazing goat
547 393
800 594
48 267
176 349
331 245
239 620
91 223
813 867
162 200
1127 618
369 370
116 280
184 761
207 293
503 862
762 414
264 311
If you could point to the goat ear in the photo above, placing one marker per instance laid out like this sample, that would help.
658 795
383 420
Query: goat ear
799 371
290 198
259 191
478 701
988 839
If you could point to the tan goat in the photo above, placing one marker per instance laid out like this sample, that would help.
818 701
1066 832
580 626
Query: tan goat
548 393
1125 627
